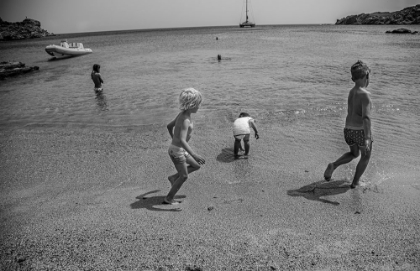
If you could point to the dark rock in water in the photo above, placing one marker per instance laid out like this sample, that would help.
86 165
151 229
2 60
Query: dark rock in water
401 31
27 29
14 68
407 16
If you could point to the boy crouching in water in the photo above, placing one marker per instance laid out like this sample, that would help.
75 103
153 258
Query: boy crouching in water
181 154
242 131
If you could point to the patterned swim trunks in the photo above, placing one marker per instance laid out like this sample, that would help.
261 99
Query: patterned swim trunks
178 155
354 137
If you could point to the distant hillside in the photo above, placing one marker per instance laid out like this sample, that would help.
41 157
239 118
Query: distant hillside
26 29
410 15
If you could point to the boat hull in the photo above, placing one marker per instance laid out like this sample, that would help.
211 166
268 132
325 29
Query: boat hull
58 51
247 24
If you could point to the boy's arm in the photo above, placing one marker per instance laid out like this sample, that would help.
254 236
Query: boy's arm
254 127
170 127
366 109
183 140
100 78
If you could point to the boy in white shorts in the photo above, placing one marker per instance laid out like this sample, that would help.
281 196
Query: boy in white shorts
241 131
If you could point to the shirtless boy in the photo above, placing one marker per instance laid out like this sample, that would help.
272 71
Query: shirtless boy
182 155
357 132
96 78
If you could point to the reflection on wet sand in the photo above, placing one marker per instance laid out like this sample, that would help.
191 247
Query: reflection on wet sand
101 101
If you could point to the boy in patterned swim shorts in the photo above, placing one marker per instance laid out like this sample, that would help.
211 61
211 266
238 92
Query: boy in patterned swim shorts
357 132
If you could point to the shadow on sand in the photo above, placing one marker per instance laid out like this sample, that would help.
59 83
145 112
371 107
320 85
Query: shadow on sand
316 190
226 156
150 203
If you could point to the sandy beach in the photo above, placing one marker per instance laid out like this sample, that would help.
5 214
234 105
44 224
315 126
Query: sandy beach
90 199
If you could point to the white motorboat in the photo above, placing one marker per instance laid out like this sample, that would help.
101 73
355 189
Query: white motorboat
67 49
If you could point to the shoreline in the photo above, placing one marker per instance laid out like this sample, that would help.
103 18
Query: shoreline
80 198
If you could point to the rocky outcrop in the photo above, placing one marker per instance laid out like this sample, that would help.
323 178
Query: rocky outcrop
14 68
410 15
402 31
27 29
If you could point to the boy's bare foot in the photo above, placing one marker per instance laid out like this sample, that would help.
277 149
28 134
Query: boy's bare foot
171 202
328 172
172 179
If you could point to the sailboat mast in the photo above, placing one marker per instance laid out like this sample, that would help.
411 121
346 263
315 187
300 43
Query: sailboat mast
246 10
246 23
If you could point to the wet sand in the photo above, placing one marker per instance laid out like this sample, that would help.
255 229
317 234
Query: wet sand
90 199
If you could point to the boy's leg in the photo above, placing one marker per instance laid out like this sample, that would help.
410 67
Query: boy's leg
346 158
361 166
236 146
183 171
246 144
192 166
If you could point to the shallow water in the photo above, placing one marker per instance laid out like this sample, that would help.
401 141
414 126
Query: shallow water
282 75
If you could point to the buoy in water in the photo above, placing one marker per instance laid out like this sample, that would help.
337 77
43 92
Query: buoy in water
219 57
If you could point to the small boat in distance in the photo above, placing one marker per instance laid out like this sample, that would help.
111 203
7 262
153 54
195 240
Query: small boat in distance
247 23
66 49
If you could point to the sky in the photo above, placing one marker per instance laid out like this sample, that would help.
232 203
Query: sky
64 16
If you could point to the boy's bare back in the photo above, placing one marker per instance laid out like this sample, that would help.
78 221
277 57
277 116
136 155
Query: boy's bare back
97 79
359 105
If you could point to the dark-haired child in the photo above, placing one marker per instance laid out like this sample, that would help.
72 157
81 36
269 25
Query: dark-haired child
96 78
241 131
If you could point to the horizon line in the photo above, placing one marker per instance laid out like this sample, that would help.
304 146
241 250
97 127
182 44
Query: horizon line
183 28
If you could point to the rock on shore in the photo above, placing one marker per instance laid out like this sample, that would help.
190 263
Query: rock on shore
27 29
402 31
410 15
14 68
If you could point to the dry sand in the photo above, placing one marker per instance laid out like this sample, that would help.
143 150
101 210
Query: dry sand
90 199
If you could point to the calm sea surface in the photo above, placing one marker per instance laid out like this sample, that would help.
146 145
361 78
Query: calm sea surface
274 72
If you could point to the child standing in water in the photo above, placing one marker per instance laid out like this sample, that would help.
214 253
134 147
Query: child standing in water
357 132
182 155
96 78
242 131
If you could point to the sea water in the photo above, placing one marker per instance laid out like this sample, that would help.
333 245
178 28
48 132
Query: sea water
277 73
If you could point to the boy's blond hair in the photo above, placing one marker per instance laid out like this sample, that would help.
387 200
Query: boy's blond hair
359 70
189 98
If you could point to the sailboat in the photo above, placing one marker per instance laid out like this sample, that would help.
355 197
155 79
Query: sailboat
247 23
